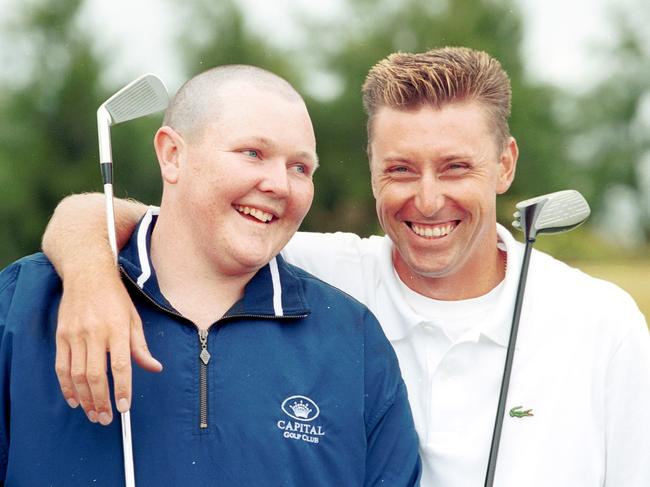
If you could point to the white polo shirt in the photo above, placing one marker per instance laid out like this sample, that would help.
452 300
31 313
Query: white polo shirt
582 368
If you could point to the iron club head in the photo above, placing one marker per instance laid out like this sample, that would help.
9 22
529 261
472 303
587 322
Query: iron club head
551 213
141 97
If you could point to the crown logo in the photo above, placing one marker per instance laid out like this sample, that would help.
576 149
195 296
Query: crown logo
300 409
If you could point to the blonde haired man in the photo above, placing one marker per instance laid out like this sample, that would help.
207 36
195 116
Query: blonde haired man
442 283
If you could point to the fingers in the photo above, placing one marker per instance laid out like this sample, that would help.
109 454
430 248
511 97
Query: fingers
122 347
97 381
121 368
94 315
62 367
97 316
139 348
78 374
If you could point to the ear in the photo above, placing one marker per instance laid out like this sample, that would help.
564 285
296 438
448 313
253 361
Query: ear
170 149
507 166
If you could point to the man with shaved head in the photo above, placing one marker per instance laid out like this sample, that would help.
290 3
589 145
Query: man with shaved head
272 377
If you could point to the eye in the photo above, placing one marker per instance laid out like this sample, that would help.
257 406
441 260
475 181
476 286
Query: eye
255 154
300 168
457 166
400 171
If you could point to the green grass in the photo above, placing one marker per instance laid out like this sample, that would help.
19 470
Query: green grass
633 276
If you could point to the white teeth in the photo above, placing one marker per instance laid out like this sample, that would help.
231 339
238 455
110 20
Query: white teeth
254 212
435 232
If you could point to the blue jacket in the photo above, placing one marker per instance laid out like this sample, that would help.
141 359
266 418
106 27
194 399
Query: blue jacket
295 386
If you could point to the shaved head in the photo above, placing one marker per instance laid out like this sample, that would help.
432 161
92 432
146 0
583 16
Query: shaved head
199 100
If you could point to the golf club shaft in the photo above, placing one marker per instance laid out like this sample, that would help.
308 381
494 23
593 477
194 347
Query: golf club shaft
106 165
127 447
505 381
127 450
110 219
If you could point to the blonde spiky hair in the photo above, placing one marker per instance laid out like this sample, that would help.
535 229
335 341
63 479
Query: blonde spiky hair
406 81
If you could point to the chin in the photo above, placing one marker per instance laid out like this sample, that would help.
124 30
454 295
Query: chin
255 260
428 269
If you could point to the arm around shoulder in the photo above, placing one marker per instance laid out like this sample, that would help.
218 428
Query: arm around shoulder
76 236
96 314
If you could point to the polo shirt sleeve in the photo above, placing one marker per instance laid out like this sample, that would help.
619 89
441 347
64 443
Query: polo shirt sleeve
627 403
392 456
336 258
8 278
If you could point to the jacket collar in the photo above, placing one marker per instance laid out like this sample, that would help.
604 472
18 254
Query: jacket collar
275 291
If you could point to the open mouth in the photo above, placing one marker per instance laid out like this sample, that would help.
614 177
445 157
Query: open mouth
255 213
433 231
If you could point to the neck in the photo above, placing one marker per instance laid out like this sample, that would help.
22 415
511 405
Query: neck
470 281
188 279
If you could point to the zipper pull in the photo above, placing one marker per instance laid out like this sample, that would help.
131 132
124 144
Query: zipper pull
204 355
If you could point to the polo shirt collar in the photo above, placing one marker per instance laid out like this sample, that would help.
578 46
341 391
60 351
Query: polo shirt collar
497 328
275 291
399 319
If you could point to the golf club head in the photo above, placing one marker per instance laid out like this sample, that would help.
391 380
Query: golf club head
551 213
143 96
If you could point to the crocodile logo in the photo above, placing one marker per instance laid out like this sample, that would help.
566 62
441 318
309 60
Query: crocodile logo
518 412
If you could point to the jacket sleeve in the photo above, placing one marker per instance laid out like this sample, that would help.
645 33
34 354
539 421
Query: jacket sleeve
392 457
627 405
8 279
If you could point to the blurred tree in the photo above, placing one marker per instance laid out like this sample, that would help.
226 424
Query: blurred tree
610 126
47 133
48 142
216 33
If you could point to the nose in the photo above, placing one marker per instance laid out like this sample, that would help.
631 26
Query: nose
275 179
429 198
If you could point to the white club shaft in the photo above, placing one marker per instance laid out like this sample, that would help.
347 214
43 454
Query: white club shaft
127 449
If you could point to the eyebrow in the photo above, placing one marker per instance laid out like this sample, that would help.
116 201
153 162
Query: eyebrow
403 158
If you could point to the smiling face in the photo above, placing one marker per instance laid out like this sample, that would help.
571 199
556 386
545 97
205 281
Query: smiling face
435 177
243 183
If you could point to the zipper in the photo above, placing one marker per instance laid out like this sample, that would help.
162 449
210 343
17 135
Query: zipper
204 358
204 354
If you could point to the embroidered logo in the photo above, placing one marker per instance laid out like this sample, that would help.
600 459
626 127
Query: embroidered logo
518 412
303 410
